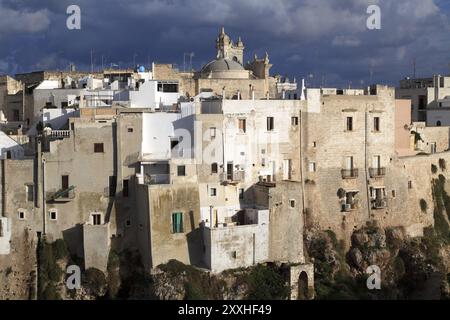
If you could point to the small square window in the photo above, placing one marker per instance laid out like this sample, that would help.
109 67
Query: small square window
98 147
21 215
312 167
213 192
181 171
53 215
294 121
292 203
96 219
130 130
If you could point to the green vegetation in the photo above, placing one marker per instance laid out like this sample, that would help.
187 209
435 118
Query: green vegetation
197 284
95 281
50 273
433 169
265 283
113 278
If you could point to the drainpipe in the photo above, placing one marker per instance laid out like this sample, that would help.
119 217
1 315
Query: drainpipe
302 181
43 198
210 217
365 164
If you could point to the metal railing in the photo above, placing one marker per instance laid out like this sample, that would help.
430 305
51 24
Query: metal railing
63 194
380 203
235 176
152 179
377 172
349 173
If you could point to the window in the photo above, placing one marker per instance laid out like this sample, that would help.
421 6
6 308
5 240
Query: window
241 194
21 215
96 219
234 254
128 223
53 215
292 203
177 222
98 147
130 130
212 132
409 184
270 124
438 124
242 126
213 192
112 186
64 182
294 121
349 123
393 193
433 147
125 190
314 144
312 167
181 171
30 192
214 167
376 124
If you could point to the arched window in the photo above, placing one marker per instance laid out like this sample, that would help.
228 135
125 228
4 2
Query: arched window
438 123
303 286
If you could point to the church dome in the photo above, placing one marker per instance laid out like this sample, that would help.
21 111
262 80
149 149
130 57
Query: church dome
222 64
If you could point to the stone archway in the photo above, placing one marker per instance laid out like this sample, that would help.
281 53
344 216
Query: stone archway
303 287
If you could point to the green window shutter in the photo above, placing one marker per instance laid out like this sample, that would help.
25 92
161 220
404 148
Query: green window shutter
177 222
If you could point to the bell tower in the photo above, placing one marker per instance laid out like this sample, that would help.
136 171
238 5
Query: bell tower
227 49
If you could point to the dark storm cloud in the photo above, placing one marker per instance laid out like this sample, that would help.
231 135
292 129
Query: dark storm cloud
324 40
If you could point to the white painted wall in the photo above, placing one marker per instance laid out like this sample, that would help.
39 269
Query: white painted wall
5 247
250 244
157 128
8 144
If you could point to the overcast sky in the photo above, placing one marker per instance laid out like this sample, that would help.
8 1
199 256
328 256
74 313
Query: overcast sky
324 38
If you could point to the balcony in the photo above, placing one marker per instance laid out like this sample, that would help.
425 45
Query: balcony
349 173
63 195
232 177
377 172
380 203
59 134
152 179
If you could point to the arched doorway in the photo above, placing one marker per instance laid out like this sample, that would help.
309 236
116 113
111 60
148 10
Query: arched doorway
303 286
